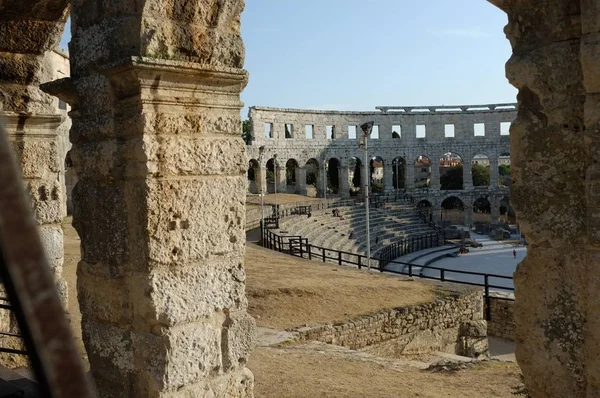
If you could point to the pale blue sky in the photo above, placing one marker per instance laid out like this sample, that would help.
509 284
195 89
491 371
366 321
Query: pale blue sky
357 54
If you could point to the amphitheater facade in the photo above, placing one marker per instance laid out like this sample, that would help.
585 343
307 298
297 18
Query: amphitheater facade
427 137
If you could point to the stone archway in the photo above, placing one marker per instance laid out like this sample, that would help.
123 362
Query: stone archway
422 166
451 171
453 210
376 171
356 180
253 174
399 173
333 175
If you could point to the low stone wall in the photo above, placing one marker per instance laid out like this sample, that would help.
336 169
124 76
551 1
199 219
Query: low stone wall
453 323
502 317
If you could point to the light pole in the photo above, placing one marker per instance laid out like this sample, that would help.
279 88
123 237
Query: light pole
366 128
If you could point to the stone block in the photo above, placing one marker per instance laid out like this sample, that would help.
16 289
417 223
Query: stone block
187 293
191 220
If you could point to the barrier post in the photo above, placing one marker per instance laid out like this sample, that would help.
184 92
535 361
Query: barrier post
339 258
323 254
488 310
359 264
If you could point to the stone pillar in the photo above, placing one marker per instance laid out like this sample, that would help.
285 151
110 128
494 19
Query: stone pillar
468 213
260 179
436 212
344 183
495 209
467 175
301 180
435 173
557 289
32 120
320 185
388 176
493 172
410 175
280 179
159 205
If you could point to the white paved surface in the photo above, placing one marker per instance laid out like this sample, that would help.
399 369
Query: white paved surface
495 257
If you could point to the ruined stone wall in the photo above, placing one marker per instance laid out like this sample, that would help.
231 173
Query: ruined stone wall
434 145
502 316
434 326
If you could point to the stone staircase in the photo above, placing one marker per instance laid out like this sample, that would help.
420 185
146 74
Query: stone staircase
389 223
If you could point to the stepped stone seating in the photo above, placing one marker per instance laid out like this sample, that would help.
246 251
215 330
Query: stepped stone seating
389 223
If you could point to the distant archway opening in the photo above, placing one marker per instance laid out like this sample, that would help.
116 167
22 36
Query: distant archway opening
333 176
355 173
291 168
253 174
504 170
507 213
451 171
312 177
399 173
482 211
453 210
422 172
480 171
376 168
425 206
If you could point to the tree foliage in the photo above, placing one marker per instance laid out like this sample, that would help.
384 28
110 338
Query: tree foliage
504 170
453 178
247 131
481 175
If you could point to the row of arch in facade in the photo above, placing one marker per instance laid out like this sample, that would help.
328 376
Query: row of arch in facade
347 176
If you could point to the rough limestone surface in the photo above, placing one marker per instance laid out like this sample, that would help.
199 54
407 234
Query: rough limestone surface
160 200
555 66
34 124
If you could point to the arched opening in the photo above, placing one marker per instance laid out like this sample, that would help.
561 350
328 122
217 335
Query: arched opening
422 172
480 170
453 210
253 175
376 171
291 167
507 213
398 173
355 172
270 176
395 134
425 206
451 171
333 176
482 210
504 169
312 177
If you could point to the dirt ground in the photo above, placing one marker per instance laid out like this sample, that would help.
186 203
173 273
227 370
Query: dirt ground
320 371
285 291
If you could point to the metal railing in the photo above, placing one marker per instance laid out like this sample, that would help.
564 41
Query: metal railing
300 247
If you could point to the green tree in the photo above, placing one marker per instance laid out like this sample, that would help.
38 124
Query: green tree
247 131
504 170
481 175
453 178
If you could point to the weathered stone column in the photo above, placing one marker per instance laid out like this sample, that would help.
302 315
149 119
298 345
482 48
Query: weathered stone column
494 209
468 213
410 176
388 176
436 211
260 179
301 180
160 201
493 172
467 175
554 144
280 179
435 173
32 118
344 183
